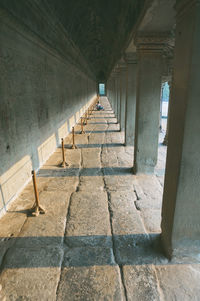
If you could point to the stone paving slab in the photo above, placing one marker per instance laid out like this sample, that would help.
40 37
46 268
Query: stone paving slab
109 158
72 158
81 139
67 184
123 201
148 188
125 218
136 249
96 139
152 220
148 191
91 183
116 182
58 173
91 158
31 274
124 223
88 256
11 225
47 229
141 283
114 127
114 137
91 172
179 281
88 221
97 126
90 283
49 183
3 248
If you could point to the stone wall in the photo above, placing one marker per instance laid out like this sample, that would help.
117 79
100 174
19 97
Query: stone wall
42 95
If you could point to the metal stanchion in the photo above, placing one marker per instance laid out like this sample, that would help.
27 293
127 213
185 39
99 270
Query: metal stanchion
82 130
73 139
63 164
36 209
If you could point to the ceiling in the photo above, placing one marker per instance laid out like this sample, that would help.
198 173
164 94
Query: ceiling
92 34
99 28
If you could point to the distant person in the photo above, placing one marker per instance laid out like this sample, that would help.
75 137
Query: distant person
99 106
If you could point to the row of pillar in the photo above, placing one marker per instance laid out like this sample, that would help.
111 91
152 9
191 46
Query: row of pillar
136 99
134 90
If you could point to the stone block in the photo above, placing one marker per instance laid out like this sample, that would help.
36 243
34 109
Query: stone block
141 283
90 283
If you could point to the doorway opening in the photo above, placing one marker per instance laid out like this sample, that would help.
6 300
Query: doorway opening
101 89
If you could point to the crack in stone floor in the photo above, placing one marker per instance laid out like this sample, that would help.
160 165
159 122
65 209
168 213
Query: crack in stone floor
99 238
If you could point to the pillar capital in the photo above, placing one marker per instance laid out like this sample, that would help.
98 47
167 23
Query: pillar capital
152 42
130 57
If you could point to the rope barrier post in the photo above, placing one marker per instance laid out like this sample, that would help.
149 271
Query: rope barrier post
36 209
73 139
63 164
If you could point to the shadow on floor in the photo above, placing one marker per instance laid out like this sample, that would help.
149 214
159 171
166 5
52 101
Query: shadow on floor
102 123
96 132
73 172
99 117
79 251
92 145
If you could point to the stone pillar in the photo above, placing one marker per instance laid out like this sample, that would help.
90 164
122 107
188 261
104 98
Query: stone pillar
181 201
131 61
115 92
149 50
165 141
123 88
118 96
110 88
161 101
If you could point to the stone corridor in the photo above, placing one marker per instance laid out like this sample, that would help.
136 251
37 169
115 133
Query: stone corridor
99 238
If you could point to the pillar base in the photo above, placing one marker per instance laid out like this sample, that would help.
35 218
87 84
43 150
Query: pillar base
129 141
183 251
143 169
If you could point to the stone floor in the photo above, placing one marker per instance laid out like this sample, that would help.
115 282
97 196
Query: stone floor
99 238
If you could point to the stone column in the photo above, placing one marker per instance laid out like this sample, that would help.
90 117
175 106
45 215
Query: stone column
165 141
115 92
181 199
123 87
161 101
149 50
110 88
118 101
131 61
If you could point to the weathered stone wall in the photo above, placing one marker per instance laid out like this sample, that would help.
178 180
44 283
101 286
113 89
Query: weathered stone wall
42 95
